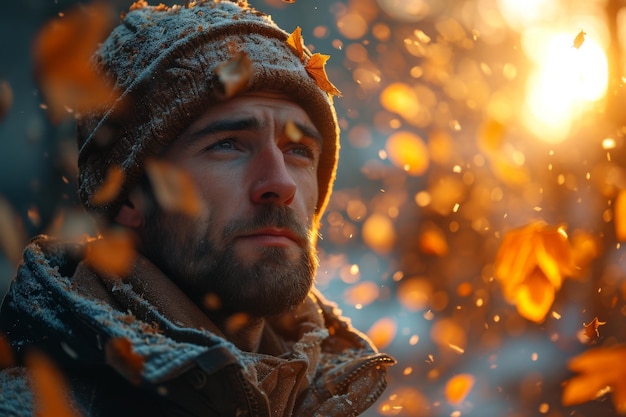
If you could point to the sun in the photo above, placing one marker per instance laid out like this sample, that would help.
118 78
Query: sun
565 83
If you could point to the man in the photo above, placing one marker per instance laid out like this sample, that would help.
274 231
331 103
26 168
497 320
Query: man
214 313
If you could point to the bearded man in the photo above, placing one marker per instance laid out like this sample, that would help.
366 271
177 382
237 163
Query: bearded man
215 312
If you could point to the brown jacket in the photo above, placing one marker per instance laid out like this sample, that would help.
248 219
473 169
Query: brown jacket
138 346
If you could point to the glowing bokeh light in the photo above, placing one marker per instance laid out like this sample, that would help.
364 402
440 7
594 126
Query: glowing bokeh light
565 83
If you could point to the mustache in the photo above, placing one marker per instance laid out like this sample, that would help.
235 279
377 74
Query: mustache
269 217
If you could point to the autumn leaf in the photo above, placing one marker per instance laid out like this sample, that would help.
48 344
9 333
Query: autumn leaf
62 50
234 73
619 214
530 265
293 132
121 356
579 40
174 188
295 41
50 392
315 68
6 98
13 235
591 329
110 188
7 357
113 253
600 370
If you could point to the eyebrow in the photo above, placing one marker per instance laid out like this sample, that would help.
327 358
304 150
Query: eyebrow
252 123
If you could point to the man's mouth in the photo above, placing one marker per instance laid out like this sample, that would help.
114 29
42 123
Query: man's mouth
273 237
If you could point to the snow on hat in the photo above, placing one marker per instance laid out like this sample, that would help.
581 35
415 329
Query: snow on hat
165 64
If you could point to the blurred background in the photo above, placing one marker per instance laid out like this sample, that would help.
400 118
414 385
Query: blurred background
463 122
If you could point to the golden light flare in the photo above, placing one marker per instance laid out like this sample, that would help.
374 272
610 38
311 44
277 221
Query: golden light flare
362 294
379 233
564 83
619 216
383 332
405 401
458 387
415 293
408 152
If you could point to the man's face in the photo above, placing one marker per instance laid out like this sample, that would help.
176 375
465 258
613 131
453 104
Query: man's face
251 245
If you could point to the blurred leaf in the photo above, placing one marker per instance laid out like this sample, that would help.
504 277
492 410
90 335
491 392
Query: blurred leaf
601 370
620 216
62 50
121 356
173 187
13 235
293 133
112 254
7 357
531 263
110 188
50 391
6 98
234 73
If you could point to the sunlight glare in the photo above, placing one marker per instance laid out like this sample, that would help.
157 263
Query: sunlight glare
565 82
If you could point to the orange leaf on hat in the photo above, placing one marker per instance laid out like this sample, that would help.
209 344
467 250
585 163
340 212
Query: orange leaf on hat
315 68
295 41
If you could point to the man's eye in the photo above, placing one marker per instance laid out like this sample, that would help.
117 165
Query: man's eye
302 150
224 144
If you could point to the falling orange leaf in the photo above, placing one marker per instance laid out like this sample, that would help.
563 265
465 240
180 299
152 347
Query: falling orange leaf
13 236
600 370
7 357
62 51
6 98
579 40
235 73
619 214
110 188
458 387
592 329
113 253
293 133
531 263
121 356
295 41
315 68
174 188
50 391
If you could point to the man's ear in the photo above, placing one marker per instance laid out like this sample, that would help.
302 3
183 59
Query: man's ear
130 215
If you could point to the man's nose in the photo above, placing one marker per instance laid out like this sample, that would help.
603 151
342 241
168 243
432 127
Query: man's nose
273 183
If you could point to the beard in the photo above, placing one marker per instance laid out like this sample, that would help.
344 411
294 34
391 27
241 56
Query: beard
276 280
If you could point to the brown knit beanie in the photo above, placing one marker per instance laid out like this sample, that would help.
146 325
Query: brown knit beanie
163 62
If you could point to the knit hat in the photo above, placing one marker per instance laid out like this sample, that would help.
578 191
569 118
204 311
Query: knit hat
165 63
